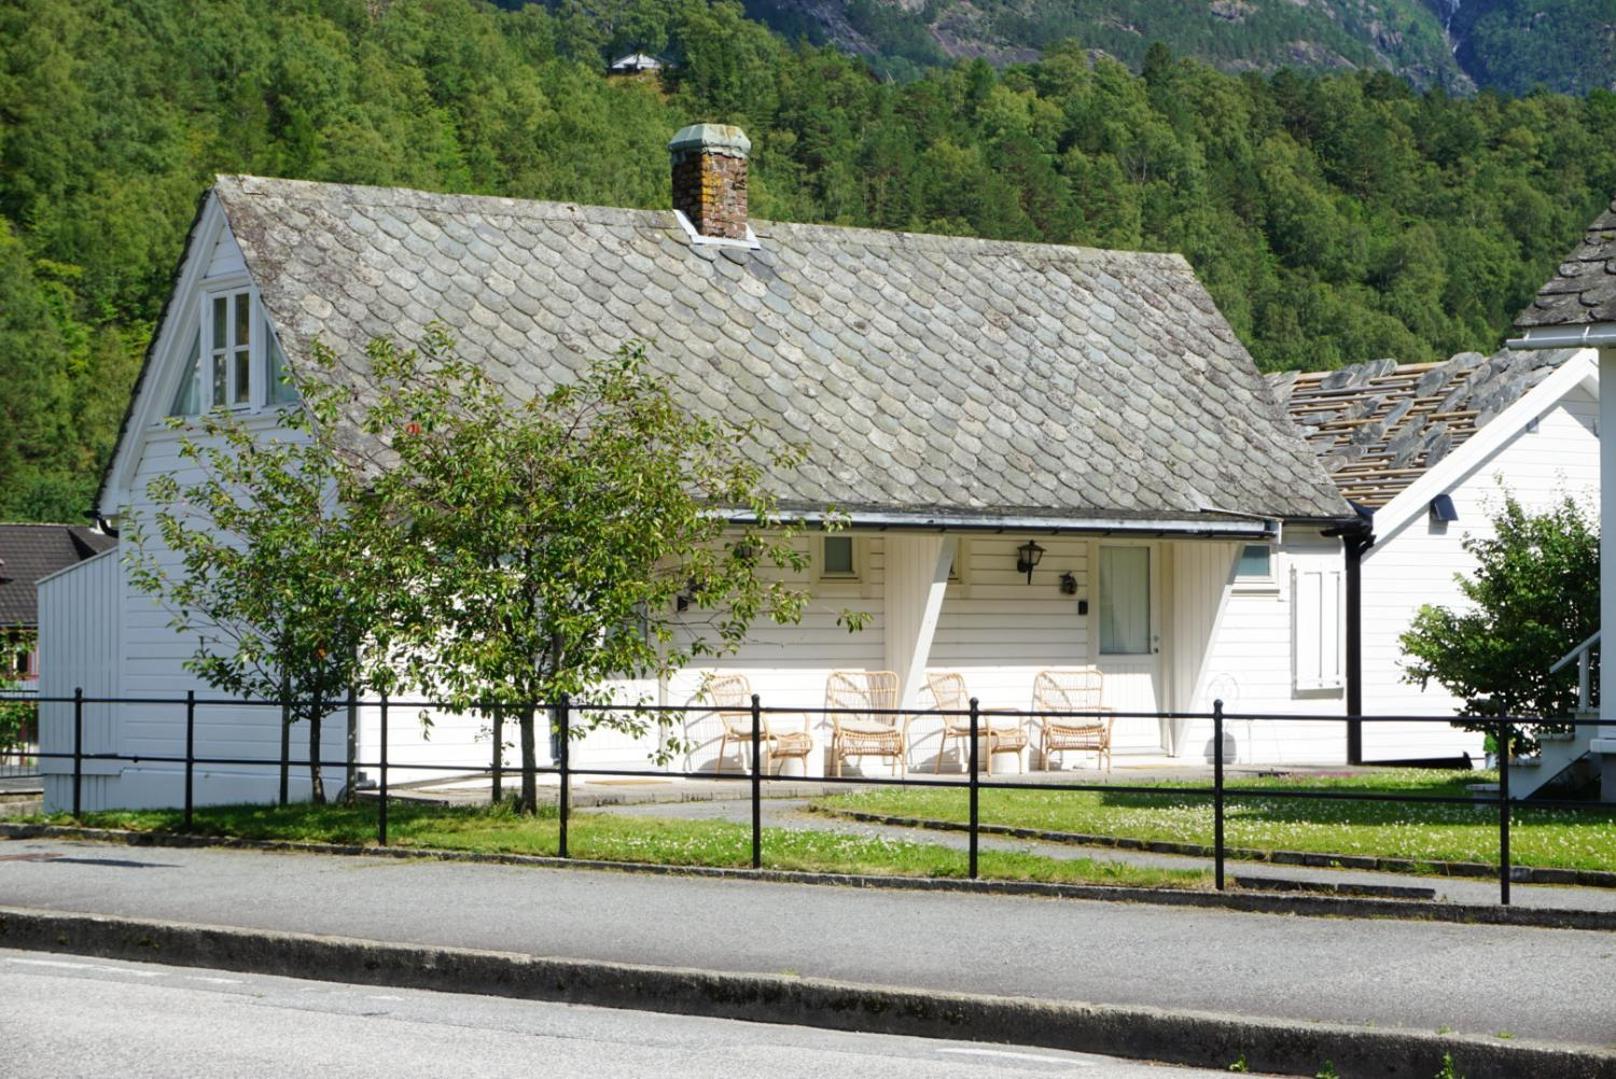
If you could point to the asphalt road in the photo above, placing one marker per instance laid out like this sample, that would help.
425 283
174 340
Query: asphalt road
67 1016
1547 984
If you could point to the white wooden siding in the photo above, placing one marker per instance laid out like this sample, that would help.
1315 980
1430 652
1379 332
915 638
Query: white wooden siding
79 630
1416 565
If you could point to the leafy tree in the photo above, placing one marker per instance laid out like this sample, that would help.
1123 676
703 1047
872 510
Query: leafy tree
546 540
267 557
1533 597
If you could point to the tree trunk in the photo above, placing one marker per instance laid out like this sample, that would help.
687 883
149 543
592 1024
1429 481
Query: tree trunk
316 777
529 803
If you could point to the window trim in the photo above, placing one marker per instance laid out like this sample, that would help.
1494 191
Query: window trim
855 554
261 395
1253 584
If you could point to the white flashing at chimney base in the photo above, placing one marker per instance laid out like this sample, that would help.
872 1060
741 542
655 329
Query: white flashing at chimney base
751 241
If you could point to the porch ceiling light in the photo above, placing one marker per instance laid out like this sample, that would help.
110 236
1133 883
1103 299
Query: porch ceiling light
1028 555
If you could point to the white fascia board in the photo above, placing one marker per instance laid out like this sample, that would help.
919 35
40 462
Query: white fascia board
896 520
1416 497
157 381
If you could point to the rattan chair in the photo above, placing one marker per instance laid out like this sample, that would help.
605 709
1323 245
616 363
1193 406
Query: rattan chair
949 692
731 697
1080 692
856 729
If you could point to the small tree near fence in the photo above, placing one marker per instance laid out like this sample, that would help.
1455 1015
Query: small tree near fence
264 557
547 539
1533 597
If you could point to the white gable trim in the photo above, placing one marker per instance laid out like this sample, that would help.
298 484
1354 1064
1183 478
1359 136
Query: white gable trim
1583 368
75 567
166 358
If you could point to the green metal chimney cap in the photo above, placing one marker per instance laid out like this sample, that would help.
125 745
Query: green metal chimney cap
713 138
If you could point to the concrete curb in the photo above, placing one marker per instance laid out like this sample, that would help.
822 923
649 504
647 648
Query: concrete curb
1520 874
1201 1039
1267 900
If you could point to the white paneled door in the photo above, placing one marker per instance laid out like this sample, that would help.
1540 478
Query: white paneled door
1126 636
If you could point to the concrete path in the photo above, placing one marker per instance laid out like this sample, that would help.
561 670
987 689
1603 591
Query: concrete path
1553 985
793 813
67 1016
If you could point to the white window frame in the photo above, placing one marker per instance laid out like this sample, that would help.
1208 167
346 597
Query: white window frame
856 555
229 291
1256 584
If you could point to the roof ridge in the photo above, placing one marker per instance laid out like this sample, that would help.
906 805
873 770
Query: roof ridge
551 210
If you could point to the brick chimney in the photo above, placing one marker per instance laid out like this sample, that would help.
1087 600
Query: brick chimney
709 178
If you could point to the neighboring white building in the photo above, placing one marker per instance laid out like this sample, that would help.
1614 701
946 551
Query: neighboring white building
1427 451
959 398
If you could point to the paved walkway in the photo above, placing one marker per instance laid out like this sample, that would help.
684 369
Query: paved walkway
1544 984
793 813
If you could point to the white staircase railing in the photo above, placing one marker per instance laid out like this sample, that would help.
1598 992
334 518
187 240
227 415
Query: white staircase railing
1583 655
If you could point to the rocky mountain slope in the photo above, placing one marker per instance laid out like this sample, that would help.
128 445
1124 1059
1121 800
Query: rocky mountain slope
1509 45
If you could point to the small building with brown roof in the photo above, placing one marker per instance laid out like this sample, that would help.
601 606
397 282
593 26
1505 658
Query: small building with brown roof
29 552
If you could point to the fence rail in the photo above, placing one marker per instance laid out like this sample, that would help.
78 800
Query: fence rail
1218 793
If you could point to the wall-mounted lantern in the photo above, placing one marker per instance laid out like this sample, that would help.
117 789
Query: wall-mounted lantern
1028 555
1442 510
1068 584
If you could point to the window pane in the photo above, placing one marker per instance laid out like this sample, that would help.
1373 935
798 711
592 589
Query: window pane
187 398
281 391
243 373
838 556
243 314
221 322
1255 561
1124 600
221 394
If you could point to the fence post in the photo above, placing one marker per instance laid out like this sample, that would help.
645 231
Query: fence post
381 807
1217 789
757 783
78 751
286 748
190 753
1504 750
976 712
499 754
564 719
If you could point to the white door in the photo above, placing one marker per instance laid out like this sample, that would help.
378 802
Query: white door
1126 638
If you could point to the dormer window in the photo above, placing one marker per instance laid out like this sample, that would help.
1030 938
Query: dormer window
230 348
234 361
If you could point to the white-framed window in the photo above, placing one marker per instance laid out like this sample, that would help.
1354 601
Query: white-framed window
1316 632
1254 569
838 558
234 360
228 326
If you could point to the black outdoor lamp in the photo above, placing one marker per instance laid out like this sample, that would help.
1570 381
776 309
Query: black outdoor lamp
1028 555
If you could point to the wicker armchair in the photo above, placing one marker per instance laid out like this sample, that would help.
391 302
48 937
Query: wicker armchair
863 733
949 692
731 696
1080 692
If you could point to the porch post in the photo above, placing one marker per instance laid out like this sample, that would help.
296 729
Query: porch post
916 575
1607 543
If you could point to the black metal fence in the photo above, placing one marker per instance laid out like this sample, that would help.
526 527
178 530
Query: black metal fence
1219 793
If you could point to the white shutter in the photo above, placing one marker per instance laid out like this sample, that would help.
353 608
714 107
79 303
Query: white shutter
1316 638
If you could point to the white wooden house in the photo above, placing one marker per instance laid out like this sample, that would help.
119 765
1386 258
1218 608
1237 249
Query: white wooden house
1577 309
1427 452
958 398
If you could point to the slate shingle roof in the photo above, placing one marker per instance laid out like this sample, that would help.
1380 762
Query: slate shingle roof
1584 288
31 551
1378 426
924 373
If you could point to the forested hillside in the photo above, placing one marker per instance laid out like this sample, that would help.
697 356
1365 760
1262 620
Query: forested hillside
1335 218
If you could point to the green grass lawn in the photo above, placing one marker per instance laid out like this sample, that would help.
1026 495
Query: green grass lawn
632 839
1558 838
